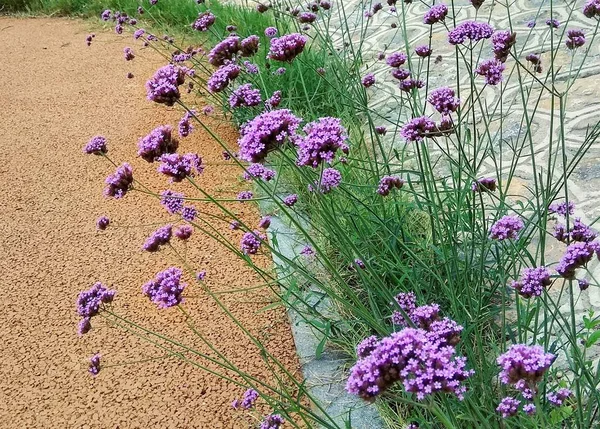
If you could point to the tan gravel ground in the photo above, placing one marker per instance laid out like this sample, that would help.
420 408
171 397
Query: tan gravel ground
55 93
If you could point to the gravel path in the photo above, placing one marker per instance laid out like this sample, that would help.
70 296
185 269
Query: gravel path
55 93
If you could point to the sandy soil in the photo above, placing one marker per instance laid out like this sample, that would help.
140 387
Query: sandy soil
55 93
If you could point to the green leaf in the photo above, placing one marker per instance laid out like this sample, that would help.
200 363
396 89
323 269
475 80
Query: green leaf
593 339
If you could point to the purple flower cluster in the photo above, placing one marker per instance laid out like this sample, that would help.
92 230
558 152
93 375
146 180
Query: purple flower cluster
270 32
138 33
96 146
484 184
224 51
423 51
185 126
265 133
88 304
184 232
396 59
443 100
417 128
407 301
258 171
307 251
436 13
102 223
251 241
366 346
368 80
491 70
508 407
178 166
264 222
578 232
249 46
287 47
250 67
172 201
575 39
274 100
188 213
158 238
94 367
553 23
410 84
245 96
506 227
532 282
502 41
576 255
272 421
400 73
245 195
557 398
562 208
307 17
323 138
118 183
592 9
249 398
159 142
221 78
471 30
523 366
204 21
422 364
166 288
163 87
290 200
128 54
330 178
387 183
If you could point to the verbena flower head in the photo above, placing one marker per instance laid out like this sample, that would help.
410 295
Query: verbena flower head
106 15
529 409
163 87
185 126
89 301
396 59
583 284
410 84
234 225
118 183
553 23
491 70
245 96
287 47
417 128
474 31
158 238
270 32
102 223
575 39
508 407
178 166
273 421
264 222
581 232
307 17
172 201
307 251
128 54
204 21
576 255
532 282
159 142
138 33
184 232
531 23
562 208
249 46
96 146
330 179
484 184
323 139
592 8
523 366
265 133
165 289
290 200
387 183
245 195
258 171
359 263
250 397
224 51
557 398
273 101
221 78
407 301
443 100
502 41
188 213
366 346
423 366
251 241
423 51
400 73
381 130
436 13
368 80
94 367
507 227
250 67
